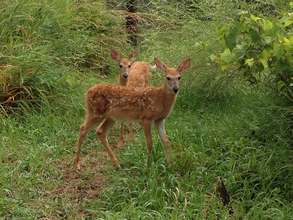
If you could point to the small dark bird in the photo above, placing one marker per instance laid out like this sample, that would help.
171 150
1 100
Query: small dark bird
223 194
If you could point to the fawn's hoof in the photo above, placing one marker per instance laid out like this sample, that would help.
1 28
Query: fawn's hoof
117 166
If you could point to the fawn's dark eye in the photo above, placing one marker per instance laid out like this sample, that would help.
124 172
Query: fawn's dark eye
179 77
120 66
129 66
168 78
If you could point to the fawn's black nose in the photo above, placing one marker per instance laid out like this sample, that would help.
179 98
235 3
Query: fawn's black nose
175 90
125 76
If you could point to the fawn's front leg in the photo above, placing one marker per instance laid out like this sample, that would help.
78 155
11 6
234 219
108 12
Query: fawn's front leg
160 124
84 129
148 136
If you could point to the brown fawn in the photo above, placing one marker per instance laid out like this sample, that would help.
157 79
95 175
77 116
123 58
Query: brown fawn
135 74
147 105
124 65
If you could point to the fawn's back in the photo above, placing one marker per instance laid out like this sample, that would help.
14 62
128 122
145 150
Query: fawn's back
120 102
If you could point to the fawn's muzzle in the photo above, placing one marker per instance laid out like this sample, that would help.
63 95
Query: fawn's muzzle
175 90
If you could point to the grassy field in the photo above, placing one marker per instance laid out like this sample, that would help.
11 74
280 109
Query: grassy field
218 128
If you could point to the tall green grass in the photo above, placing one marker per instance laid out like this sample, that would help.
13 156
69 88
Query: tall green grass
41 39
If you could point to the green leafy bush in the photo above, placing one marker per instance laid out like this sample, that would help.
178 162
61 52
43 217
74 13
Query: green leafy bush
261 49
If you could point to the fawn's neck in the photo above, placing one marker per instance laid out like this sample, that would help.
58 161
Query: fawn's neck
122 80
169 99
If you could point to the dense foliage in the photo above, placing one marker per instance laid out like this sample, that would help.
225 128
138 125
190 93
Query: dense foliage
261 49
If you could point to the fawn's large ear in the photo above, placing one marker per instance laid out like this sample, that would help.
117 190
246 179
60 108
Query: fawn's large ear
160 65
133 55
184 65
116 55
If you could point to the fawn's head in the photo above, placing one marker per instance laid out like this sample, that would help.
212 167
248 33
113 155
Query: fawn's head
123 62
173 75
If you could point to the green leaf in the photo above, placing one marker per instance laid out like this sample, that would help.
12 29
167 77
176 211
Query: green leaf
231 37
255 18
224 67
268 40
280 85
287 42
249 62
264 58
278 50
226 56
267 25
243 12
213 58
287 20
240 50
255 35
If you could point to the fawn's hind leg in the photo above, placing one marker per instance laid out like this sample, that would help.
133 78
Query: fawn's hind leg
84 129
104 124
125 128
131 132
102 135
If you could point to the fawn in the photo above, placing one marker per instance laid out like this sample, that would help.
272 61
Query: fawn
147 105
124 65
135 74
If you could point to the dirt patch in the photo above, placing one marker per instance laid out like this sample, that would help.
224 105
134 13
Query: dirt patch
89 182
74 190
85 184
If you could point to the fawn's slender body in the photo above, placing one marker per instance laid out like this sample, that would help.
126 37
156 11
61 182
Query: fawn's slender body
150 104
